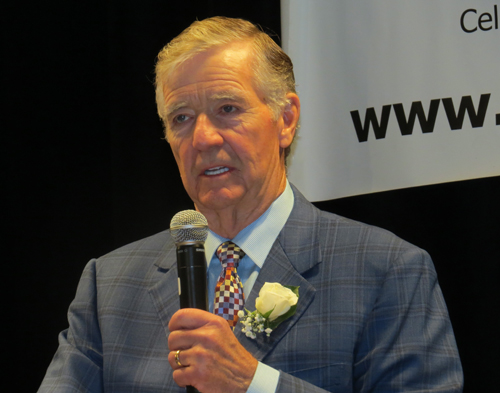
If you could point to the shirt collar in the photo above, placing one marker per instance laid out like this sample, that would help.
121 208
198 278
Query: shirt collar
257 238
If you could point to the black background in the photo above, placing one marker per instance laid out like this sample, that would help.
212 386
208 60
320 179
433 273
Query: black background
87 170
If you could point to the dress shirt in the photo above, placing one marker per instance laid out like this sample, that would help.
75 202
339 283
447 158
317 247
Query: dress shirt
256 241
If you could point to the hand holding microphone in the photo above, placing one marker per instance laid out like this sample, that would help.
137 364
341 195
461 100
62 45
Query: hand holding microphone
189 229
204 350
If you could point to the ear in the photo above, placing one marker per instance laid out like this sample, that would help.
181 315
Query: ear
290 117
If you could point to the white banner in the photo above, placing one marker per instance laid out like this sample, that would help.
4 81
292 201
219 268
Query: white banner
395 93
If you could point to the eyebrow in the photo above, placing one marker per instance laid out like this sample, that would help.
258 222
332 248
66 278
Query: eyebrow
175 107
218 96
226 95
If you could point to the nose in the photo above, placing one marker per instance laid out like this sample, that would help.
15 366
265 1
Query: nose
205 134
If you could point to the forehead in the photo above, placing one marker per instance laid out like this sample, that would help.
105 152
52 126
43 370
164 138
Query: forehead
221 70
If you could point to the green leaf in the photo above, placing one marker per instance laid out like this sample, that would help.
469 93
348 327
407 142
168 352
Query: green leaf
266 315
274 324
293 288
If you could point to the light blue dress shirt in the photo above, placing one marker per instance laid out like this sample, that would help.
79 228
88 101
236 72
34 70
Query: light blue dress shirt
256 240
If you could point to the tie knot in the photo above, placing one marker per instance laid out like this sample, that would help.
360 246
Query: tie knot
229 254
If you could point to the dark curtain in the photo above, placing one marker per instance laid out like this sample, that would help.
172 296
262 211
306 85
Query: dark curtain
87 170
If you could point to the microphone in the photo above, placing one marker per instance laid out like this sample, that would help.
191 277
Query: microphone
189 229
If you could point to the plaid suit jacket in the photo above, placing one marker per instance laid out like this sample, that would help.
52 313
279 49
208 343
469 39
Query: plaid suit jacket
370 317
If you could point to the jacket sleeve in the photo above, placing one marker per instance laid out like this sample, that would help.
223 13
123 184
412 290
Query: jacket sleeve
290 384
77 364
407 343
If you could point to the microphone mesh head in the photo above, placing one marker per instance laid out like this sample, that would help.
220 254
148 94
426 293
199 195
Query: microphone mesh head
189 226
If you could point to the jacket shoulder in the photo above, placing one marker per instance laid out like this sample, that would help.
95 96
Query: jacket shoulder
142 255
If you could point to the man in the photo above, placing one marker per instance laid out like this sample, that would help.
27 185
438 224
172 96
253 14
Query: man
370 315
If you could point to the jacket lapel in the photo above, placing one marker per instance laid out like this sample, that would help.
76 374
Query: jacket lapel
163 287
295 251
277 268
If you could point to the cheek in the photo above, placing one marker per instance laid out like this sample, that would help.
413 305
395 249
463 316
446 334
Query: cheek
258 140
179 148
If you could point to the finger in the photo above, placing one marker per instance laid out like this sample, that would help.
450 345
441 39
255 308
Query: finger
210 335
190 373
185 339
189 318
184 376
176 357
209 371
180 339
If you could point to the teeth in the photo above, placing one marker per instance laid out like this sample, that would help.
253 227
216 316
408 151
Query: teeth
216 171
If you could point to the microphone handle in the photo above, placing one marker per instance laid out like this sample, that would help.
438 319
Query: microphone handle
192 274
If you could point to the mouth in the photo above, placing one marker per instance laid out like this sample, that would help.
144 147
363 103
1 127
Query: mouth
216 170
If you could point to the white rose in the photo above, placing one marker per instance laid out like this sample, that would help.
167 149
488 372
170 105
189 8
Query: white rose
274 295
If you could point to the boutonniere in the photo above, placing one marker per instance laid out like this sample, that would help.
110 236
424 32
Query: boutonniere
275 304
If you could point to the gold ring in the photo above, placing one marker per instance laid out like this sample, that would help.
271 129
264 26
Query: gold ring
177 360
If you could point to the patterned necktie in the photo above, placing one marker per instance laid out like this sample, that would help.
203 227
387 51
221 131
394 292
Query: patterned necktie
229 297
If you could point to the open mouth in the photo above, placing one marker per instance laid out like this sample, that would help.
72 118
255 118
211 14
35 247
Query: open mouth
216 171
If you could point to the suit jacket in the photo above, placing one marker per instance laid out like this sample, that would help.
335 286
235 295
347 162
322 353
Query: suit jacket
370 316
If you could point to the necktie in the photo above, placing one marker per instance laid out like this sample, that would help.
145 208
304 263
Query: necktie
229 297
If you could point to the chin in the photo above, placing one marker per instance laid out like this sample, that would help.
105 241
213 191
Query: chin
220 199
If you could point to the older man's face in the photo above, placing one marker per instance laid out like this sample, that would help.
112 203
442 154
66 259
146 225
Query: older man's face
223 135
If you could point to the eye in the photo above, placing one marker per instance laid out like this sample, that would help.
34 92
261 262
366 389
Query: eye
229 108
180 118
